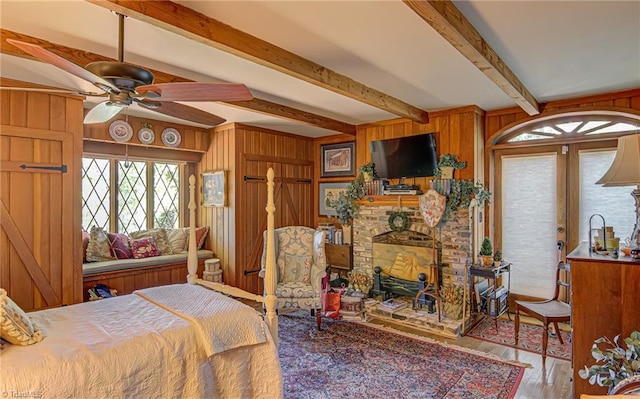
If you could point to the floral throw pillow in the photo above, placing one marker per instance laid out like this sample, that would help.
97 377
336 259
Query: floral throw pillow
15 325
296 268
160 237
99 247
144 247
120 246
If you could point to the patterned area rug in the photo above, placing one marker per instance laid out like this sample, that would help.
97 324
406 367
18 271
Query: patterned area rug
530 337
352 361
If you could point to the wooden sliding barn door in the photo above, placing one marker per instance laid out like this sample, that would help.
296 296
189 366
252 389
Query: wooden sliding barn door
292 197
40 155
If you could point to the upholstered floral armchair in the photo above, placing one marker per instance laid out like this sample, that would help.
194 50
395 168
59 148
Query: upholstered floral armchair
302 264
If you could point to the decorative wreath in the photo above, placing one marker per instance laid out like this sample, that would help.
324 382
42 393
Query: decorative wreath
399 221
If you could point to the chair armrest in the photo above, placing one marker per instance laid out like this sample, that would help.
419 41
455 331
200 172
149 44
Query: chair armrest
316 279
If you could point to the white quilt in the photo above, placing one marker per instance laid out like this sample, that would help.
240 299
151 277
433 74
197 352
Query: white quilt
132 347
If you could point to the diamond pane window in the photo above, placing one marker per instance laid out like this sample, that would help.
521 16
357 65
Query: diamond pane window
144 194
166 189
132 196
96 195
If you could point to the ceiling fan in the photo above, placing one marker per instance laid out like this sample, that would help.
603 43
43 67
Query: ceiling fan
126 83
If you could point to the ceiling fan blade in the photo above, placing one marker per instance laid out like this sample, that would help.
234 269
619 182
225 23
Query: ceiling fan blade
102 113
62 91
196 91
66 65
182 112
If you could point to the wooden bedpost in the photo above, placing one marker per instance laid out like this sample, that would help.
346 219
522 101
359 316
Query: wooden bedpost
270 274
192 257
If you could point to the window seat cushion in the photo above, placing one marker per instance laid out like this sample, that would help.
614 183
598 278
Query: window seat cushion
124 264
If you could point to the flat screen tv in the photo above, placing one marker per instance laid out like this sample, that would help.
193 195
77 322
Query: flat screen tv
409 156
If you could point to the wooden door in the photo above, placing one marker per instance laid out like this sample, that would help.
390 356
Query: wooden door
292 197
40 203
37 217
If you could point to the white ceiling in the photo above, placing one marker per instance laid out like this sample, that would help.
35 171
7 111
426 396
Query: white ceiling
558 49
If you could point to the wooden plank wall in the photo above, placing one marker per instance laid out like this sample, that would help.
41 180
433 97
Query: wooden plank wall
456 133
220 155
45 206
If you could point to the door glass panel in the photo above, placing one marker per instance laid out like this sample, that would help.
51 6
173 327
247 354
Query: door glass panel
529 223
615 204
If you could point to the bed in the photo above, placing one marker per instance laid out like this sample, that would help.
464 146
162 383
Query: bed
185 340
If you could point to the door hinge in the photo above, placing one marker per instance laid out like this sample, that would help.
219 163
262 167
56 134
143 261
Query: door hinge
61 168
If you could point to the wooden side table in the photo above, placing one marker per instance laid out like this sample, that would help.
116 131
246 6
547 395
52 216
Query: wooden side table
339 257
496 304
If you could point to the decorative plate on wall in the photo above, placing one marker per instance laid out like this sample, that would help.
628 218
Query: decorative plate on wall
171 137
120 131
146 135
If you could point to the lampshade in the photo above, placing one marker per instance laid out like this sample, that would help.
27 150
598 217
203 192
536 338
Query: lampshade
625 169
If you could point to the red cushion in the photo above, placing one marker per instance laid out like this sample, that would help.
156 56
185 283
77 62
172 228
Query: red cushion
201 236
144 247
119 244
85 242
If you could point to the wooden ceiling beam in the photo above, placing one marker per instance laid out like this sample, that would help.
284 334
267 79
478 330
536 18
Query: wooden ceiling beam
448 21
82 58
186 22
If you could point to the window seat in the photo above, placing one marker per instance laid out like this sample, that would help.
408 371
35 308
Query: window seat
123 264
128 275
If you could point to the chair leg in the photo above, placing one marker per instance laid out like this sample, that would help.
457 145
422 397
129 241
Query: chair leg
318 319
516 324
545 340
555 324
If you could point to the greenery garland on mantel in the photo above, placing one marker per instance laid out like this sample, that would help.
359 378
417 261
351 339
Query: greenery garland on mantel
461 191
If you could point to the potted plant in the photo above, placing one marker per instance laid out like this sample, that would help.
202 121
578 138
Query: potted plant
486 253
447 164
614 363
453 296
497 258
368 171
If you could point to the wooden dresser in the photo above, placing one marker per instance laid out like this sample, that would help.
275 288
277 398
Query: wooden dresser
604 302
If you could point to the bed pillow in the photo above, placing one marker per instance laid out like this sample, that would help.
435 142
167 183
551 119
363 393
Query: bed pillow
144 247
15 325
159 236
120 246
99 247
178 239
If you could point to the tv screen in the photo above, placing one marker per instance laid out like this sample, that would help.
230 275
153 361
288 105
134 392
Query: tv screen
409 156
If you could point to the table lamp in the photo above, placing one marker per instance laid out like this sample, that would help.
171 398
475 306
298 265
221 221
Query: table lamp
625 171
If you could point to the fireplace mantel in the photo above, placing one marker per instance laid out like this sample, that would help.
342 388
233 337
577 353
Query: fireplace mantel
390 200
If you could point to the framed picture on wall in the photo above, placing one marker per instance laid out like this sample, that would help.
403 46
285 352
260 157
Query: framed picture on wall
214 188
337 159
330 188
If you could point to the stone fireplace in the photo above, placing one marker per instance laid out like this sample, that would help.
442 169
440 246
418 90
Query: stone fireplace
373 242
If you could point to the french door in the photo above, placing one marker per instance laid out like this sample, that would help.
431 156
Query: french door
530 210
547 194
